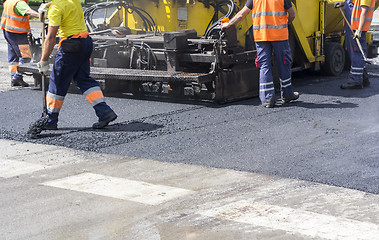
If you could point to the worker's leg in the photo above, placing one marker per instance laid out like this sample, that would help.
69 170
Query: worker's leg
18 52
62 74
89 87
284 60
348 8
357 63
266 83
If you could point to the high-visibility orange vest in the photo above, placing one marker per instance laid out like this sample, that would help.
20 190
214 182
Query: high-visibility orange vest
12 22
357 10
270 21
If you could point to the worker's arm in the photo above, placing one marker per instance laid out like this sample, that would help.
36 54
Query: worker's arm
362 19
291 14
237 18
32 13
23 9
49 43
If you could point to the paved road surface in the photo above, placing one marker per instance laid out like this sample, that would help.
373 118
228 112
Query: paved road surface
307 170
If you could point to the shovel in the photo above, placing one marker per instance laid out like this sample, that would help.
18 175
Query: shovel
357 40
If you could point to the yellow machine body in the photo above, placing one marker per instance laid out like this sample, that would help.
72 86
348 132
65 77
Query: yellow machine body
173 15
316 20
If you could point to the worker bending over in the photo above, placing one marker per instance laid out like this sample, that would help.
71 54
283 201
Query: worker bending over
72 62
15 25
270 30
361 13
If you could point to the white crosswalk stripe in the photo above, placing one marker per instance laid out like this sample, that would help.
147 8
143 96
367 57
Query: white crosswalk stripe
295 220
120 188
10 168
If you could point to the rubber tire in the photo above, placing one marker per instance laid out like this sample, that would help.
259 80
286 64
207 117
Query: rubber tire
334 59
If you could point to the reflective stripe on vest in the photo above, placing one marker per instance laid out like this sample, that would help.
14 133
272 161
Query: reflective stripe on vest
12 22
94 95
54 102
270 21
355 17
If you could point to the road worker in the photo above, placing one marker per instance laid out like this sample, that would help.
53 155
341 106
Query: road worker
361 13
270 30
72 62
15 25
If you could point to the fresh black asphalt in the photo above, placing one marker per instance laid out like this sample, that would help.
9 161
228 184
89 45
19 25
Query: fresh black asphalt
329 136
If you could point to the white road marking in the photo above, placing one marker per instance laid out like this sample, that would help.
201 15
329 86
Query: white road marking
295 220
10 168
120 188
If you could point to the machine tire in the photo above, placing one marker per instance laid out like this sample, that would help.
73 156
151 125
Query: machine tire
334 59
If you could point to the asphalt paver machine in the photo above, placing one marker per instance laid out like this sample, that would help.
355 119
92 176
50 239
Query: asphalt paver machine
176 49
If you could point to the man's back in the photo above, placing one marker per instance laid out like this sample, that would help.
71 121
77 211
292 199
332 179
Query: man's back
68 15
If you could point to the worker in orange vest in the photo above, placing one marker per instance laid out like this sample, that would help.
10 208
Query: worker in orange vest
270 30
361 13
15 25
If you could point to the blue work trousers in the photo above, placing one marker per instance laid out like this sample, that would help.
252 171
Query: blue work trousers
283 59
76 67
18 51
353 51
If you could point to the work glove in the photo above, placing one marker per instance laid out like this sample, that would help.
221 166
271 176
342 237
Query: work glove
43 67
357 34
339 4
42 10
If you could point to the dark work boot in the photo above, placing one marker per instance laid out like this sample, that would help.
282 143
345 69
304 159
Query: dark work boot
366 80
18 82
350 85
107 119
50 126
294 97
270 103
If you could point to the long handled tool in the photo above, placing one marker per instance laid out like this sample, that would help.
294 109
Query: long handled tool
37 127
357 40
43 82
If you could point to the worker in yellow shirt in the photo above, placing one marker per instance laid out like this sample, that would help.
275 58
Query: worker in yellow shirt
72 62
15 25
361 13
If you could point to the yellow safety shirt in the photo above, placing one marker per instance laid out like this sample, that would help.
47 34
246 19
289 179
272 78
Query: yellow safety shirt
68 15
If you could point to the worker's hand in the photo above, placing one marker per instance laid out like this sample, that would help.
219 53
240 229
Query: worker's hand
224 23
224 26
357 34
43 67
42 10
339 4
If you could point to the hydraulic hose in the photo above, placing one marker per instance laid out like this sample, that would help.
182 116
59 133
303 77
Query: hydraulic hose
147 20
216 20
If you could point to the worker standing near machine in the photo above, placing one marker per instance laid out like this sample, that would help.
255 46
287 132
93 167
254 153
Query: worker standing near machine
16 26
361 13
270 30
72 62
